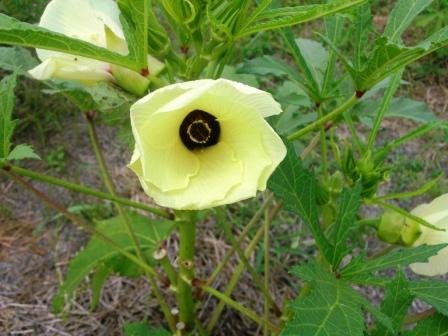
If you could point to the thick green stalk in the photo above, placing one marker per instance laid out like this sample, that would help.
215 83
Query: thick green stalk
85 190
322 121
187 237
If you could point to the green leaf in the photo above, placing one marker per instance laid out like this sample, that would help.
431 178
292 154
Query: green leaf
405 108
143 329
14 32
289 16
7 102
331 308
436 325
17 59
395 258
396 303
230 72
363 26
411 109
389 57
102 273
149 233
345 222
304 63
269 65
21 152
434 292
134 19
297 187
404 12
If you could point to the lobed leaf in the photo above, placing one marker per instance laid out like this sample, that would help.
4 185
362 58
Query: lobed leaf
396 303
331 308
21 152
434 292
297 187
17 59
289 16
345 222
436 325
389 57
404 12
395 258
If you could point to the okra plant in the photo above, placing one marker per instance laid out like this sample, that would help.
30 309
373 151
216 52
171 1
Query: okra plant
210 128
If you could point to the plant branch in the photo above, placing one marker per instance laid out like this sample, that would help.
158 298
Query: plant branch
86 226
240 239
322 121
238 307
259 282
239 270
85 190
419 316
107 180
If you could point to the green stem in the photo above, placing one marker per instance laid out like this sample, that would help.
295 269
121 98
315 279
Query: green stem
243 235
162 258
85 190
323 144
88 227
107 180
187 237
266 273
426 187
258 281
385 103
410 319
238 271
322 121
238 307
411 135
404 213
354 134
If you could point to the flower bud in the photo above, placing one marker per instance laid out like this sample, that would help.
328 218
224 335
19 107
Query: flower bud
395 228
